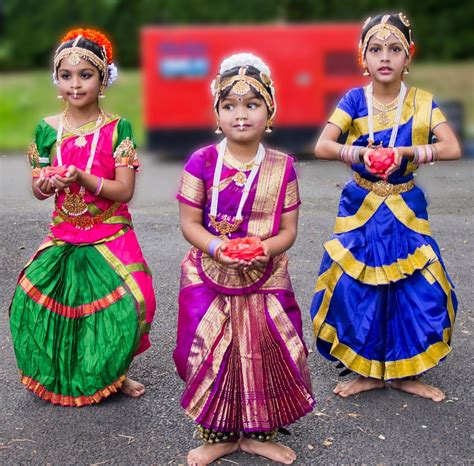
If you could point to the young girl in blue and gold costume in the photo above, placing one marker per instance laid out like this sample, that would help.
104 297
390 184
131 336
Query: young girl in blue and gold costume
384 305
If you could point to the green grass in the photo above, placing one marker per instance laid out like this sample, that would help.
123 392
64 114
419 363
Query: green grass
28 97
449 81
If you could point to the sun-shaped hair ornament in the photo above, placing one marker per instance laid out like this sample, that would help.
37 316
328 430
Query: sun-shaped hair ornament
97 37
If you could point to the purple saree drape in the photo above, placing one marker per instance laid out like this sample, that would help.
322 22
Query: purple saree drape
239 347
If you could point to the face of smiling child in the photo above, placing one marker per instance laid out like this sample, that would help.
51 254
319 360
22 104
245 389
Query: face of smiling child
385 59
243 118
79 85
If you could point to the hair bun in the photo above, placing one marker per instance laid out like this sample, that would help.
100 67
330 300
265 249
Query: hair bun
244 59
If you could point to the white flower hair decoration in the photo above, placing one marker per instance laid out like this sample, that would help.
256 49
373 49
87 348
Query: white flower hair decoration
244 60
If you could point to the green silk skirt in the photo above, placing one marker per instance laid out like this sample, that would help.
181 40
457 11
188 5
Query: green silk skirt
74 324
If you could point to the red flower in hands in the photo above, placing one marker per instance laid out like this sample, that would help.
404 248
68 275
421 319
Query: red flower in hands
381 159
244 248
49 172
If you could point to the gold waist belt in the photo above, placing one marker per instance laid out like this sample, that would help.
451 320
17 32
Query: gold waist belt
86 222
383 188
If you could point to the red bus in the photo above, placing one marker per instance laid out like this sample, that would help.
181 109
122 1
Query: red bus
312 65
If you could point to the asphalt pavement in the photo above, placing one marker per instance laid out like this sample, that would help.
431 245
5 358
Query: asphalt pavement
379 427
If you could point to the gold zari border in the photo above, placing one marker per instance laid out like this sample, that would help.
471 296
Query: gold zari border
292 197
380 275
192 188
370 205
367 209
385 370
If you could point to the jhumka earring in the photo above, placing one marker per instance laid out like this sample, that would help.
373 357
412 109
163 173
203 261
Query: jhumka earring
406 70
366 72
60 96
218 129
269 126
102 92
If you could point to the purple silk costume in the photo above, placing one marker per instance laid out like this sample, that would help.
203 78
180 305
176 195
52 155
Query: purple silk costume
240 347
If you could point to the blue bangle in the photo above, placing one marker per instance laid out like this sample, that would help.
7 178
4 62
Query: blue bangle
213 246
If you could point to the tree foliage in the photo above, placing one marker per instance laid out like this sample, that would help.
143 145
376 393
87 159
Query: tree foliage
32 28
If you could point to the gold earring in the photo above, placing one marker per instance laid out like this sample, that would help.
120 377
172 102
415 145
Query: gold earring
406 70
218 129
269 126
60 96
366 72
101 92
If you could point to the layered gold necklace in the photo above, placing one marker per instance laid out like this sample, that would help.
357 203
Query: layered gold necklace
240 178
382 116
81 140
73 203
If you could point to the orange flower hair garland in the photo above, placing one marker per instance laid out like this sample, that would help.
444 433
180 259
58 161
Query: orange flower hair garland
104 63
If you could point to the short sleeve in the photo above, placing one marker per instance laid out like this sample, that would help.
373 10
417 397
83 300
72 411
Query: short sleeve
39 151
437 116
192 189
292 194
125 153
344 114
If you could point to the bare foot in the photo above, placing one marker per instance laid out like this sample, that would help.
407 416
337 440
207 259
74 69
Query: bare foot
132 388
206 453
358 385
271 450
415 387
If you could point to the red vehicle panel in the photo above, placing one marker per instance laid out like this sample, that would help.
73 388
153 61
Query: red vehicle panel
312 66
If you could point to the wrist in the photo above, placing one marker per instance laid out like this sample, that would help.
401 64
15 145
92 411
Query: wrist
79 179
212 246
42 194
100 185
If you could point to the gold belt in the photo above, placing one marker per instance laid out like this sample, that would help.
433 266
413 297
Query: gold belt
86 222
383 188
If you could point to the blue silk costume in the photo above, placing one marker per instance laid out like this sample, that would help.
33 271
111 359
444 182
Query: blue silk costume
384 304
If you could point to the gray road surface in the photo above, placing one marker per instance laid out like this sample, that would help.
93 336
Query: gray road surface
384 426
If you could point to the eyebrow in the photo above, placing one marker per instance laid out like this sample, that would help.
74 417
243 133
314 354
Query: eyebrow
244 97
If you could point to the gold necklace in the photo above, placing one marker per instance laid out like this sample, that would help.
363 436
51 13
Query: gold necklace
382 117
73 204
81 140
240 178
224 227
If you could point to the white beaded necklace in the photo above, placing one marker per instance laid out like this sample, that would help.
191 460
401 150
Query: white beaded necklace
224 227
